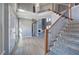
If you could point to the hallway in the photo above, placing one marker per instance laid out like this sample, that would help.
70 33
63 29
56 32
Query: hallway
39 29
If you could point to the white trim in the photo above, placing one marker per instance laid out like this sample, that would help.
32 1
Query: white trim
9 26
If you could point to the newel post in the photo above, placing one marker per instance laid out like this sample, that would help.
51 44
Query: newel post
69 15
46 41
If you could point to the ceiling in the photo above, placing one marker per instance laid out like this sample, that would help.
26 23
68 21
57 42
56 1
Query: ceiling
29 6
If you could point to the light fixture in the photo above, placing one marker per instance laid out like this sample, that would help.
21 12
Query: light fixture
21 10
48 19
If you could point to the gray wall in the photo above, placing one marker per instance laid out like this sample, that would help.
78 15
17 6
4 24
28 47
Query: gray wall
1 40
6 37
75 12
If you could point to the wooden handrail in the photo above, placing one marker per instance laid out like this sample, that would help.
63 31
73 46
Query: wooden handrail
63 15
55 22
46 40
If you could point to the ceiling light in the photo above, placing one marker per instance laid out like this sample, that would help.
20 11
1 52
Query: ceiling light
21 10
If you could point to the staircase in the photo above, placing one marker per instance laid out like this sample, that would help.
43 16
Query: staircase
67 42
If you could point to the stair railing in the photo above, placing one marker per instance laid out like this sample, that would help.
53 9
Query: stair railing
46 31
69 17
46 36
47 48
